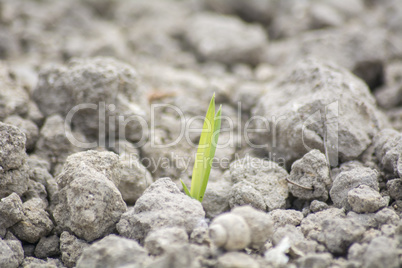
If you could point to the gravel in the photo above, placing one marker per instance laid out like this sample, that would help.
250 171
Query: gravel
161 205
101 109
88 202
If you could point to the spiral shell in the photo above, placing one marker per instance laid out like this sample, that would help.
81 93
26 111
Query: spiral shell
230 231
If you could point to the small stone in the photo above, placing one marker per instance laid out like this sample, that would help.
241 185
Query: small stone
225 39
11 253
107 83
35 223
216 198
282 217
28 127
311 171
387 216
356 252
244 193
113 251
178 256
36 190
350 179
294 234
315 260
134 179
316 206
11 210
381 252
12 142
31 262
71 249
364 199
53 144
266 177
89 203
366 219
48 247
309 108
161 205
388 146
395 189
338 234
312 224
236 260
158 241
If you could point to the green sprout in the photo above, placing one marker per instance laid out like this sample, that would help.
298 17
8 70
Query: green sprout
205 153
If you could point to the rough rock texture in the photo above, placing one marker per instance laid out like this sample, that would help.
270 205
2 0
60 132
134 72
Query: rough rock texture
338 234
316 206
35 223
53 145
71 249
381 252
364 199
28 127
395 188
181 256
245 193
13 98
389 95
113 251
48 247
311 91
132 76
311 171
31 262
11 253
350 179
11 210
216 198
13 171
367 220
293 234
89 203
90 91
134 179
387 216
339 46
267 177
41 183
282 217
388 148
311 225
225 39
161 205
159 241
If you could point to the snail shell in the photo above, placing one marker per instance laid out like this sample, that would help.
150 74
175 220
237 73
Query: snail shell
230 232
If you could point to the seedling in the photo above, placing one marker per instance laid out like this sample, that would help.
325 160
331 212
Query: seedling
205 153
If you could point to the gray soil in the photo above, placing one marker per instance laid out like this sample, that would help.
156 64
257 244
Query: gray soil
101 106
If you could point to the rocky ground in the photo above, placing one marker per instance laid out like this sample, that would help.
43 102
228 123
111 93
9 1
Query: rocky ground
101 104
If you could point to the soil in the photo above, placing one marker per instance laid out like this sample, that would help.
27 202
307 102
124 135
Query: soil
102 104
